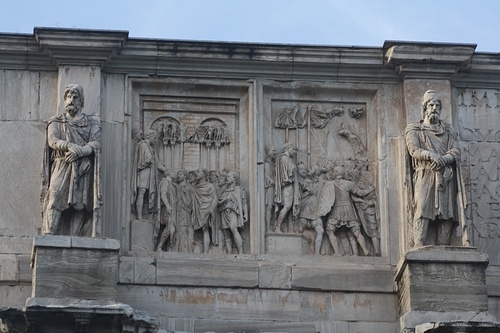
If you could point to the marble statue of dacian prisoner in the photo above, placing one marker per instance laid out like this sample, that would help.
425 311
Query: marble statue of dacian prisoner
434 152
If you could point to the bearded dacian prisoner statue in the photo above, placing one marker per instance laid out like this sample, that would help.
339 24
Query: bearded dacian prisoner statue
70 172
434 152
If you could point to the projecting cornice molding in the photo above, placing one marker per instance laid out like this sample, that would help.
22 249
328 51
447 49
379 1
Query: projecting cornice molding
80 47
48 48
428 60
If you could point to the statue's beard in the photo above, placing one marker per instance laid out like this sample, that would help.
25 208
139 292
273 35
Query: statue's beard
434 118
72 110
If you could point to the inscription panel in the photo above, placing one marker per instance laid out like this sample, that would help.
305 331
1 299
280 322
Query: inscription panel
479 119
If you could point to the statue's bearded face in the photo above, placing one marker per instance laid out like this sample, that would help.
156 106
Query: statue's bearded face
72 102
433 110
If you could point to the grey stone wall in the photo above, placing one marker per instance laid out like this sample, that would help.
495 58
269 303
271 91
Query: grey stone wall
268 288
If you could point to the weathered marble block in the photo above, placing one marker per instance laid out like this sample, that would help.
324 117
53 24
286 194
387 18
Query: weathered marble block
286 244
75 267
437 281
143 235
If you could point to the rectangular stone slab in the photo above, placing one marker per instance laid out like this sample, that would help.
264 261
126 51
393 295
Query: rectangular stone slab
75 267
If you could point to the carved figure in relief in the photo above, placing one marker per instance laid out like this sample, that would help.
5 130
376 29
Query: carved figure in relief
71 190
166 225
217 233
269 183
308 215
233 210
182 212
343 214
434 152
145 165
286 190
204 206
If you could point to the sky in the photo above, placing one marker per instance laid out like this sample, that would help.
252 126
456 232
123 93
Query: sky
312 22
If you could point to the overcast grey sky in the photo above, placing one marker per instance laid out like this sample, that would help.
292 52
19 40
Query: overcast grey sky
325 22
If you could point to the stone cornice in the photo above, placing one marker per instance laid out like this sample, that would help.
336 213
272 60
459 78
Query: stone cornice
21 52
80 47
428 60
48 48
245 60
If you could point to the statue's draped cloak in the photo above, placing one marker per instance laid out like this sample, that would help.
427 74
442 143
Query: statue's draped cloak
435 192
204 204
75 184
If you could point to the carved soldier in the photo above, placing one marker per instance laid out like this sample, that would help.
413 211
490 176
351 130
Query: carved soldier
308 218
286 190
343 214
70 176
233 211
434 152
146 165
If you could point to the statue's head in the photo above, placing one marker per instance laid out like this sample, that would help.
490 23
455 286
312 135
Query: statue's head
73 99
181 175
270 152
289 148
232 177
302 169
431 106
213 176
151 135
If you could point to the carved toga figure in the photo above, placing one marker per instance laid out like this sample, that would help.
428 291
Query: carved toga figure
434 151
182 212
204 206
70 176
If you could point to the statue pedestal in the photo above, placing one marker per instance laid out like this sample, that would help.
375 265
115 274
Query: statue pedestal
74 288
75 267
439 284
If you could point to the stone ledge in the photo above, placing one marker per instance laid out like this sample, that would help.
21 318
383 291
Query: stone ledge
397 52
76 242
248 271
414 318
457 326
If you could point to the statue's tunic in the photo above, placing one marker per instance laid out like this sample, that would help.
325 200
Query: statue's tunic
232 205
435 192
343 210
72 184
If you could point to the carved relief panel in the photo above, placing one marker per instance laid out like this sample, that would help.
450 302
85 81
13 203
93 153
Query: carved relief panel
187 181
479 130
320 174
